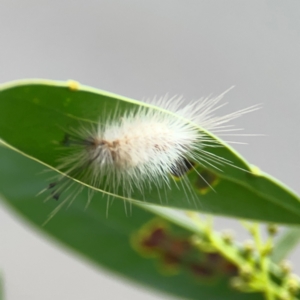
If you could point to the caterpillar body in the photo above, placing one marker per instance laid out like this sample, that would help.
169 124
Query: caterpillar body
142 148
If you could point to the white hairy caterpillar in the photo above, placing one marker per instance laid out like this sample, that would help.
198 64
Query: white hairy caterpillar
140 148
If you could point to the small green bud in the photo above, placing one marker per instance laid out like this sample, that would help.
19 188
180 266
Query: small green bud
285 267
246 273
284 296
272 229
293 284
248 247
237 283
228 237
202 243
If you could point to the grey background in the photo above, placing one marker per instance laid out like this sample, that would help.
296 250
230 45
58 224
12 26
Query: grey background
141 49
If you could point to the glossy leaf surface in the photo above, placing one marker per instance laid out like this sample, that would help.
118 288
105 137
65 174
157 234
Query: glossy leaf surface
34 115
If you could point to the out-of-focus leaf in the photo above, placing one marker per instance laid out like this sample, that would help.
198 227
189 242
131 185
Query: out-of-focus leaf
107 239
285 244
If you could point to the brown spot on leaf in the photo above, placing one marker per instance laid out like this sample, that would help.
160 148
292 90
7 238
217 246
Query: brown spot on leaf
155 239
206 180
201 270
181 167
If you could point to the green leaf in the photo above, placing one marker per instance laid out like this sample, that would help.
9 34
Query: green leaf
35 113
107 239
288 240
